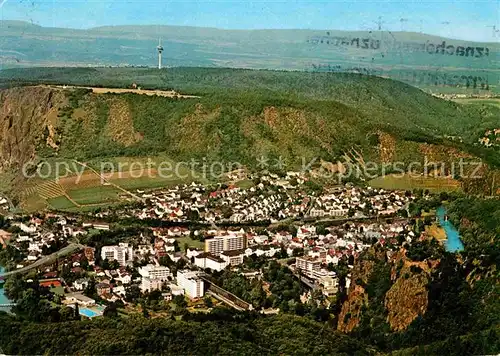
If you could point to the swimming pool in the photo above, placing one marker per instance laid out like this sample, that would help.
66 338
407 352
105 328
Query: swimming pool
89 313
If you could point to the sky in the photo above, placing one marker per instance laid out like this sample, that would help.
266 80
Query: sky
467 20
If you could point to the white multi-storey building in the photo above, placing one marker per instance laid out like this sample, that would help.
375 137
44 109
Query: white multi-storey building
123 253
151 284
155 272
307 264
233 258
223 243
208 260
191 282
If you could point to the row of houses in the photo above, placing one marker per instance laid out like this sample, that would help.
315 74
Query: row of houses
362 202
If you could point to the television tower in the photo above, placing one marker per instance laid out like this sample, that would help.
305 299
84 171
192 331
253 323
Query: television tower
495 31
160 50
379 23
402 23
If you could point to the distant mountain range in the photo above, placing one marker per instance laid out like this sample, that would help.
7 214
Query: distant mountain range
385 53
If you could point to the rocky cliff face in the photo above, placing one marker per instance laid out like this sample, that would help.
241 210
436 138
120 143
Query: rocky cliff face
27 118
408 296
405 299
351 313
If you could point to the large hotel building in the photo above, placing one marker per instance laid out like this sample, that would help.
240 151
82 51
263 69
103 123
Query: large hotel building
219 244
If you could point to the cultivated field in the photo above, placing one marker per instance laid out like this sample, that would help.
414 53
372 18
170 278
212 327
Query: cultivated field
82 188
410 182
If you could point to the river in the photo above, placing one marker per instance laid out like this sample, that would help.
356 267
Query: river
453 242
3 298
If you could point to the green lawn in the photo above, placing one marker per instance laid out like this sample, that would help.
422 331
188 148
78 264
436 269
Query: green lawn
57 290
190 242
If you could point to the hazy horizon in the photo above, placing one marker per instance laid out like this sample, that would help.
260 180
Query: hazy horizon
470 21
159 26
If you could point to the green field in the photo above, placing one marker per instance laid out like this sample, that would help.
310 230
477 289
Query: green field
410 182
60 203
245 184
190 242
148 182
89 191
51 168
94 195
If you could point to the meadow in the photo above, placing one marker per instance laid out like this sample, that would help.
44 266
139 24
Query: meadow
410 182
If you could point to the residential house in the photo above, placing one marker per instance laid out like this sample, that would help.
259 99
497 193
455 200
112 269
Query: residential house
80 299
81 283
103 289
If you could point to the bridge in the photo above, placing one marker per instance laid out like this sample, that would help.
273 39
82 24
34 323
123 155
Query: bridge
225 296
7 305
45 260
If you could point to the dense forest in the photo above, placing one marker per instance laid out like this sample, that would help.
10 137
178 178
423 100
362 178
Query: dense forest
222 333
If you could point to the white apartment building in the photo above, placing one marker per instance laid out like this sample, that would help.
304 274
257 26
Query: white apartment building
192 284
155 272
123 253
208 260
231 242
193 252
307 264
215 245
150 284
233 258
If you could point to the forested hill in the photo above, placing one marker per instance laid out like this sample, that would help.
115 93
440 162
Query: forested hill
239 116
381 101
